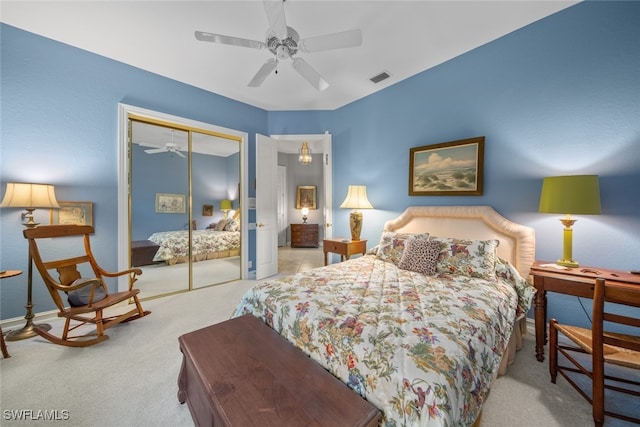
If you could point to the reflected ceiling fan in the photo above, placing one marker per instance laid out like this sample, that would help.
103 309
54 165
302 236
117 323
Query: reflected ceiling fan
170 147
284 42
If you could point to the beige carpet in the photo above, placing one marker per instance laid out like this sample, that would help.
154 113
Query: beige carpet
131 379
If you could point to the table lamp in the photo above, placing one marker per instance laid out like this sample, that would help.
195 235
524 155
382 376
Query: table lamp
305 212
572 194
356 199
225 206
30 197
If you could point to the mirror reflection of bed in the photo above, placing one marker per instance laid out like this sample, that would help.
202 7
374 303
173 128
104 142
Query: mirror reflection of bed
162 228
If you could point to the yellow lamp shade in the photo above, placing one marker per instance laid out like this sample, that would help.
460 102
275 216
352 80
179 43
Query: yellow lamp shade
572 194
225 205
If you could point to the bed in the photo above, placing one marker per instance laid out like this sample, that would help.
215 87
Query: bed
423 348
206 244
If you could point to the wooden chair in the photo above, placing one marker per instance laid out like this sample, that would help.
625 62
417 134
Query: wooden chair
603 346
70 280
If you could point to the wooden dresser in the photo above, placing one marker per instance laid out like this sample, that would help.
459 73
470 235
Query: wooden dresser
304 235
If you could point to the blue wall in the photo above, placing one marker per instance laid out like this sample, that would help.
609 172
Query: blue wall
214 178
561 96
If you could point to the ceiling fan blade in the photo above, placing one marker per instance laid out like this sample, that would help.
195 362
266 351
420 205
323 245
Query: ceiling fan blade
263 72
155 150
309 74
233 41
276 18
351 38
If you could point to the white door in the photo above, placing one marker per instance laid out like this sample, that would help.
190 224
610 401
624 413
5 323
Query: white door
266 207
328 186
282 206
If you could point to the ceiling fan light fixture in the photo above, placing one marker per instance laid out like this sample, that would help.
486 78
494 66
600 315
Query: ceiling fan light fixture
304 154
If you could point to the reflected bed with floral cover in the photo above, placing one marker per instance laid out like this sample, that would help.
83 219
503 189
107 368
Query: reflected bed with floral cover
174 245
424 349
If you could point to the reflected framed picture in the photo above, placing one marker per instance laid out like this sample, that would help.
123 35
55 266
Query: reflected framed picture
170 203
207 210
452 168
78 213
306 197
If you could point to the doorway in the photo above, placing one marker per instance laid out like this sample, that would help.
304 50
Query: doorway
320 145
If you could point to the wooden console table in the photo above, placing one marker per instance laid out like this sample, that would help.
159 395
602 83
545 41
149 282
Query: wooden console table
578 281
344 247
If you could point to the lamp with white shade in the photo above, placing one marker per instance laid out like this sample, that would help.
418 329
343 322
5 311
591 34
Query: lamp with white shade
30 197
356 199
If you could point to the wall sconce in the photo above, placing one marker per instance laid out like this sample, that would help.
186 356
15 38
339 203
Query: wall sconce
225 206
356 199
305 212
304 154
573 194
29 197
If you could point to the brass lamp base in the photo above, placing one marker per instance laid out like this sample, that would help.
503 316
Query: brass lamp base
27 331
567 263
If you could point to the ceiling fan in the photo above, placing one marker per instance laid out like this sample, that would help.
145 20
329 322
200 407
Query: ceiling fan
284 42
170 147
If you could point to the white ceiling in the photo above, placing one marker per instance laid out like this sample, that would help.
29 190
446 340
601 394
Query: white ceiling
402 38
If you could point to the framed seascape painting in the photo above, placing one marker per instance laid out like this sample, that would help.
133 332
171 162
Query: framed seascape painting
78 213
452 168
170 203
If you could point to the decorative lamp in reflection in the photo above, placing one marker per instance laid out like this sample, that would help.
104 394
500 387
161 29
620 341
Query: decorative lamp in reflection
304 154
225 206
30 197
356 199
572 194
305 212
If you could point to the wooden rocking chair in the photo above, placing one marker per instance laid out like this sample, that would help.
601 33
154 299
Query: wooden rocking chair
90 295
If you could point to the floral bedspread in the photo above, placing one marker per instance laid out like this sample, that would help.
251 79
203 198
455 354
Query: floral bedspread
175 244
423 349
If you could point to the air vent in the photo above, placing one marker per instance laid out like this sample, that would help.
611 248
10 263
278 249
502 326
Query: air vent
380 77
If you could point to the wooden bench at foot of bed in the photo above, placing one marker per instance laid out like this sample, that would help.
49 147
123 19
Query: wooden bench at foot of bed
142 252
242 373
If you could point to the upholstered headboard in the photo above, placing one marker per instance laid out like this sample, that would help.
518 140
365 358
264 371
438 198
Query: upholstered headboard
517 242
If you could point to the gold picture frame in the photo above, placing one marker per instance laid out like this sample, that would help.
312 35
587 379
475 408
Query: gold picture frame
306 197
170 203
207 210
78 213
452 168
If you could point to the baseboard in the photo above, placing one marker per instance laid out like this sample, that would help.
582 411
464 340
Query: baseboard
18 322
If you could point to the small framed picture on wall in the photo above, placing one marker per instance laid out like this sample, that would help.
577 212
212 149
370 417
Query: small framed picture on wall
306 197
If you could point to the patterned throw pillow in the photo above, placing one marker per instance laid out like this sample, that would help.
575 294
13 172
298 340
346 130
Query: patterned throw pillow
221 224
391 245
233 225
420 255
473 258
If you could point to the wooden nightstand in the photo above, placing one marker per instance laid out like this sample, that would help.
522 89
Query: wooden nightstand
344 247
304 235
578 281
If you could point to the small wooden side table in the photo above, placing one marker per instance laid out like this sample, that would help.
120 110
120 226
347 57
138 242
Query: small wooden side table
3 275
344 247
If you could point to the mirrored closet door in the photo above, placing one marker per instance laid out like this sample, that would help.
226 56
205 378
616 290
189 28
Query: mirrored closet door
184 200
